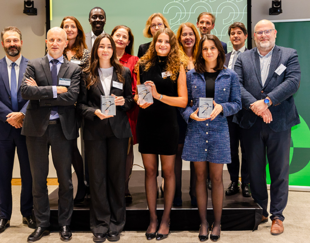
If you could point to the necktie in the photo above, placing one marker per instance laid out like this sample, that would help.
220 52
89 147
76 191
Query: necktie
235 59
54 79
13 88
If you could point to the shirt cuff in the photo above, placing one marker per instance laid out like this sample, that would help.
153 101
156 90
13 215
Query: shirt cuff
54 91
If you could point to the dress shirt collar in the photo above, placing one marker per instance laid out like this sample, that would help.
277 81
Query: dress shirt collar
60 59
9 62
241 50
267 55
94 36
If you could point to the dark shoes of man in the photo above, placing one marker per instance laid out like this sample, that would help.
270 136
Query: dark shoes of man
232 189
38 234
113 236
30 221
246 190
4 223
65 233
98 237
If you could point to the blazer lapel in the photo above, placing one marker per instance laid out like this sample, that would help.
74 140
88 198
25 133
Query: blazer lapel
62 70
257 66
274 63
47 70
22 69
227 59
5 75
99 84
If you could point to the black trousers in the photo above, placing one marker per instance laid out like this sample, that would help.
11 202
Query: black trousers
107 165
61 148
7 153
260 140
235 134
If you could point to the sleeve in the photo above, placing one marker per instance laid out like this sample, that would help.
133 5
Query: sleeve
188 110
4 111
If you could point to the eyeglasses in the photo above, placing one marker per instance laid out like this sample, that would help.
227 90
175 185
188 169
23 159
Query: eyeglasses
267 32
156 25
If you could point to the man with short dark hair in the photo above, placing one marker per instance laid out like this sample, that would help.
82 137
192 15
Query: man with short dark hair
12 113
238 35
97 20
206 23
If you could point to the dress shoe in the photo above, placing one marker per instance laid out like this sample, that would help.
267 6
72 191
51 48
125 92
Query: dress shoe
65 233
177 202
30 221
38 234
232 189
161 236
214 237
99 237
264 219
276 227
209 185
113 236
246 190
4 223
128 199
150 236
204 237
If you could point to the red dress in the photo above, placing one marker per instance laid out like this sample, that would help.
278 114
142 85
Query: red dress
130 61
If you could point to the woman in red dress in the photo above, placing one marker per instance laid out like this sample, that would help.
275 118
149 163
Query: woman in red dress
124 38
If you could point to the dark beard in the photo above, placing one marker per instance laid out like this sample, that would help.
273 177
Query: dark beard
13 53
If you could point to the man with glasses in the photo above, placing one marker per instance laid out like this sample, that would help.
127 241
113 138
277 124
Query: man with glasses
269 76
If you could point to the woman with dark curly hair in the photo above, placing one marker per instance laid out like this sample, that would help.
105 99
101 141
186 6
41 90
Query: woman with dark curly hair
157 126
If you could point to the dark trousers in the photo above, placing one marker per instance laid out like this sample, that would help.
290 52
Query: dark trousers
107 164
61 148
260 140
7 153
234 167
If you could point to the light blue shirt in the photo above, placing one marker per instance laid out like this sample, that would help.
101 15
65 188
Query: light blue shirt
264 65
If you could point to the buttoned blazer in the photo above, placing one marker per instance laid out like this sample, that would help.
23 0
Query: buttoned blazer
279 88
90 101
227 93
41 98
5 96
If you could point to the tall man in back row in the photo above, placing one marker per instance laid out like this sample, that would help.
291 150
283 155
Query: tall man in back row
51 83
269 75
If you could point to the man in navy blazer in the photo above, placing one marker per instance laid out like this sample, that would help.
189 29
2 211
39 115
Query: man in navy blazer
238 34
269 75
206 23
12 113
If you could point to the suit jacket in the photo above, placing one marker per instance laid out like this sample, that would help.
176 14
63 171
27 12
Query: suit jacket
41 98
5 96
279 88
227 57
90 101
224 46
88 40
143 49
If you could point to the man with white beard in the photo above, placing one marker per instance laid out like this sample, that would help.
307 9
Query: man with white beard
269 75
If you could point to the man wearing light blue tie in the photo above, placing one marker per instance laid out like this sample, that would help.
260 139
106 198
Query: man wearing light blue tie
12 113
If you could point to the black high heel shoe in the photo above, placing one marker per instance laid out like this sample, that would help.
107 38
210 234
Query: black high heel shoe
214 237
150 236
204 237
162 236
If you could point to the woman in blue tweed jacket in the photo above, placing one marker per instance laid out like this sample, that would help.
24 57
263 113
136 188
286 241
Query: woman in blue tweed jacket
207 139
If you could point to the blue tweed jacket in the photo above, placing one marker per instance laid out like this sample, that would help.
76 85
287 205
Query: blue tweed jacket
209 140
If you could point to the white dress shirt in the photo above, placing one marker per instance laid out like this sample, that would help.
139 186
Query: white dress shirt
264 65
9 67
93 38
233 53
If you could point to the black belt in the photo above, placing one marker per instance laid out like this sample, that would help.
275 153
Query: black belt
54 122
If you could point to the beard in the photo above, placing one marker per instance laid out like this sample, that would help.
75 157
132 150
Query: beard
12 51
265 46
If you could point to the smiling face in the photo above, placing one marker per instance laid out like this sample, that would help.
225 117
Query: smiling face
105 50
187 38
210 52
12 43
162 45
156 24
205 24
265 42
56 42
97 20
121 38
237 38
70 27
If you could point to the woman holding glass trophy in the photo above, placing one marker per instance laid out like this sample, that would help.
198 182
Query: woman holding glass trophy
215 92
106 95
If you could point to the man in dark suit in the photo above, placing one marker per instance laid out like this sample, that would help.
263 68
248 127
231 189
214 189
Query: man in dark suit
206 23
51 83
97 19
238 35
12 113
269 76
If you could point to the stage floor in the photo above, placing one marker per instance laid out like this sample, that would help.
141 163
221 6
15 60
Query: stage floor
239 213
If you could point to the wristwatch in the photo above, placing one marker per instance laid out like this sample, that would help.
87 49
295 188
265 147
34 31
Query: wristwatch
267 102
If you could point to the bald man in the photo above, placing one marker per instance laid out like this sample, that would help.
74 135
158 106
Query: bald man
51 84
269 76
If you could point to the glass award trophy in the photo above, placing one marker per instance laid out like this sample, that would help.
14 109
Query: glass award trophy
145 94
108 105
205 107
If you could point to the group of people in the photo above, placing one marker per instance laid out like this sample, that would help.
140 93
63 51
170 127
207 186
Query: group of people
44 102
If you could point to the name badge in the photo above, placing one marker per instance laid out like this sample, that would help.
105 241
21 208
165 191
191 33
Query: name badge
78 62
117 85
166 74
280 69
64 81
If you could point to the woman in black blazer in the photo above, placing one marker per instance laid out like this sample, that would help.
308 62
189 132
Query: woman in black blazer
106 137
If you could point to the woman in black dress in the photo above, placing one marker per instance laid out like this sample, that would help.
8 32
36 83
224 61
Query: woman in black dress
157 127
154 23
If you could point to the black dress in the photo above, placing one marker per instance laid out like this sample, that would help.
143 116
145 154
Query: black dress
157 126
